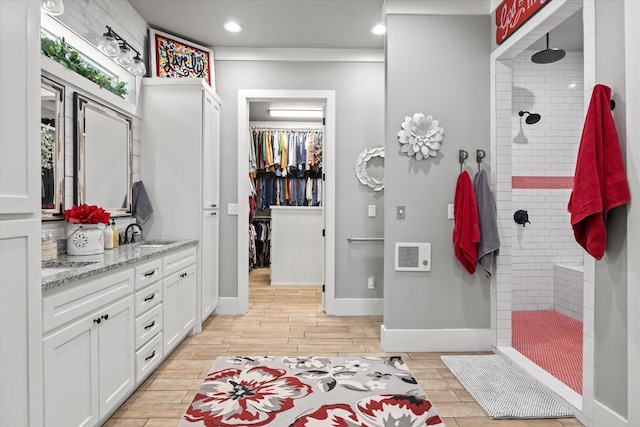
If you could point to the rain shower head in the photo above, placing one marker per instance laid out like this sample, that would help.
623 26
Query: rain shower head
531 119
548 56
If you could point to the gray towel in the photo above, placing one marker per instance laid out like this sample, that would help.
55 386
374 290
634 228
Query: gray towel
489 245
141 205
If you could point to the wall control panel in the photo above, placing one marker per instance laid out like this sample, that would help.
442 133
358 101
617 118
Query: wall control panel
413 257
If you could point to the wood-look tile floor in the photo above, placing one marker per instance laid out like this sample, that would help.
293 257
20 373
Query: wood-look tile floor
290 321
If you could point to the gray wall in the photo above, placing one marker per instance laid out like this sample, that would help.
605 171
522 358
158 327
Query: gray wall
439 66
359 123
611 272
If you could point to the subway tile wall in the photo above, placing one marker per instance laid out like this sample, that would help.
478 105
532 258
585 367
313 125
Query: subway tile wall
545 149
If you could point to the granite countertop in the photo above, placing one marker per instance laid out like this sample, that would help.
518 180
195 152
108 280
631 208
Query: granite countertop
71 268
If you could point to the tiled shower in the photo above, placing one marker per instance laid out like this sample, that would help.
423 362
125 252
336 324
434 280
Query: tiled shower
543 162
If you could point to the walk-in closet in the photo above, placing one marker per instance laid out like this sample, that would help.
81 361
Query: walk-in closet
285 193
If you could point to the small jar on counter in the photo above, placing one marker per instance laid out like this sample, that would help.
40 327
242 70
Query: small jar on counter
49 246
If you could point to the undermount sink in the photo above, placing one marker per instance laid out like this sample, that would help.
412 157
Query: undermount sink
156 243
54 267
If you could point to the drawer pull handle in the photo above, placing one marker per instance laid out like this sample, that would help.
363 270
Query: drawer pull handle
98 320
183 275
149 273
105 317
151 356
149 298
150 325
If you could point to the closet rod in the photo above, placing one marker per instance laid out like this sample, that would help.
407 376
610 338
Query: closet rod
365 239
289 129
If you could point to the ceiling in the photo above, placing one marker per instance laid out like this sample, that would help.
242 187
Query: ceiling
269 23
329 24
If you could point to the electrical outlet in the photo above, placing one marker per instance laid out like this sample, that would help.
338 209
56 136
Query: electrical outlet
371 283
450 211
372 211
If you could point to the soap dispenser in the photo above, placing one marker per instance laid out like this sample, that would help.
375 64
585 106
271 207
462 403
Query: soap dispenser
49 246
108 237
116 234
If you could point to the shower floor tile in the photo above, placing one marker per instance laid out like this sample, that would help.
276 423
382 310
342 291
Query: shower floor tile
552 341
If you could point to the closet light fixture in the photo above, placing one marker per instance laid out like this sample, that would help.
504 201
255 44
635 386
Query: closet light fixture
111 44
232 27
52 7
379 29
315 114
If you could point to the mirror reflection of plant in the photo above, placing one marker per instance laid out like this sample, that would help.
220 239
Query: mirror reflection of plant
65 55
46 150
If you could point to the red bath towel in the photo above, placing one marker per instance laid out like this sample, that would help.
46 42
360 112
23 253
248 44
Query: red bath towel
466 232
599 183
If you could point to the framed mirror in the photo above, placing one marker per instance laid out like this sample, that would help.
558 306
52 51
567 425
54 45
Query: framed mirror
51 148
103 156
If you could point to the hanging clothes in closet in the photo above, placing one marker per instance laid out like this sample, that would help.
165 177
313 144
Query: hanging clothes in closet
286 166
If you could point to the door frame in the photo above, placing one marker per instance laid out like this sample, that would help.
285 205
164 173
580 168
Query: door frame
245 96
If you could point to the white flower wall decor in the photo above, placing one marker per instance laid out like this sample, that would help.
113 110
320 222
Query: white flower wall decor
420 136
377 183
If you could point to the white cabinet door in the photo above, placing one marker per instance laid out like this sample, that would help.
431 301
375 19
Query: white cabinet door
21 323
188 308
71 375
19 107
209 281
210 151
171 312
116 353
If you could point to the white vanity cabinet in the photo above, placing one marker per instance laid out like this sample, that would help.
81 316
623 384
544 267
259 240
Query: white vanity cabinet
88 349
20 202
179 297
180 170
149 318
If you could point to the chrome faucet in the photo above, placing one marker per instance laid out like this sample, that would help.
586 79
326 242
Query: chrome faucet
132 239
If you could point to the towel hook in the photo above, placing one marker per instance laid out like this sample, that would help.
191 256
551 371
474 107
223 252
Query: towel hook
612 103
462 156
480 154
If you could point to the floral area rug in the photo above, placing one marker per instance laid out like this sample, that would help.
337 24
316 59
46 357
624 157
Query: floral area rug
310 392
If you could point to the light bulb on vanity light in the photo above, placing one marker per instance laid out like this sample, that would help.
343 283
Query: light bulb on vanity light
52 7
125 57
108 45
138 68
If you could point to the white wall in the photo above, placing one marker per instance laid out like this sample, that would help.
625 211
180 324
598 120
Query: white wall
542 155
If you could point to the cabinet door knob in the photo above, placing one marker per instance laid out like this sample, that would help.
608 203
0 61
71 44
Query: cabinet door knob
214 213
213 205
105 317
151 356
98 320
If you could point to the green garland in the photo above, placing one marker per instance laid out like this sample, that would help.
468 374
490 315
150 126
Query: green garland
65 55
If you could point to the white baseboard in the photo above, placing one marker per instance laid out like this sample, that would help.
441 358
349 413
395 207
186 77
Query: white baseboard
294 284
228 305
603 416
358 306
424 340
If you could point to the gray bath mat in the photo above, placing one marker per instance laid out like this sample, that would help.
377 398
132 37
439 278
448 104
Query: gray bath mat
501 390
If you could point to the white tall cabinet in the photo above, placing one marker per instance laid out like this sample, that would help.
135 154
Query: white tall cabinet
181 172
20 282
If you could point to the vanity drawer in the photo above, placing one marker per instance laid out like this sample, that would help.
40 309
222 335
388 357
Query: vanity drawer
148 325
177 261
61 306
148 358
148 297
148 273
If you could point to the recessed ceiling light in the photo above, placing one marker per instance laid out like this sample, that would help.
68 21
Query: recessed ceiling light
232 27
296 113
379 29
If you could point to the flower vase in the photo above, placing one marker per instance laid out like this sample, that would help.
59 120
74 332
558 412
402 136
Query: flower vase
85 239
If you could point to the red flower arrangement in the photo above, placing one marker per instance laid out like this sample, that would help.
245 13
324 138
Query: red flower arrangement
87 214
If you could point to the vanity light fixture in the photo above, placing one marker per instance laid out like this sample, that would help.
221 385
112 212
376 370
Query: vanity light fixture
309 114
379 29
232 27
52 7
111 44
